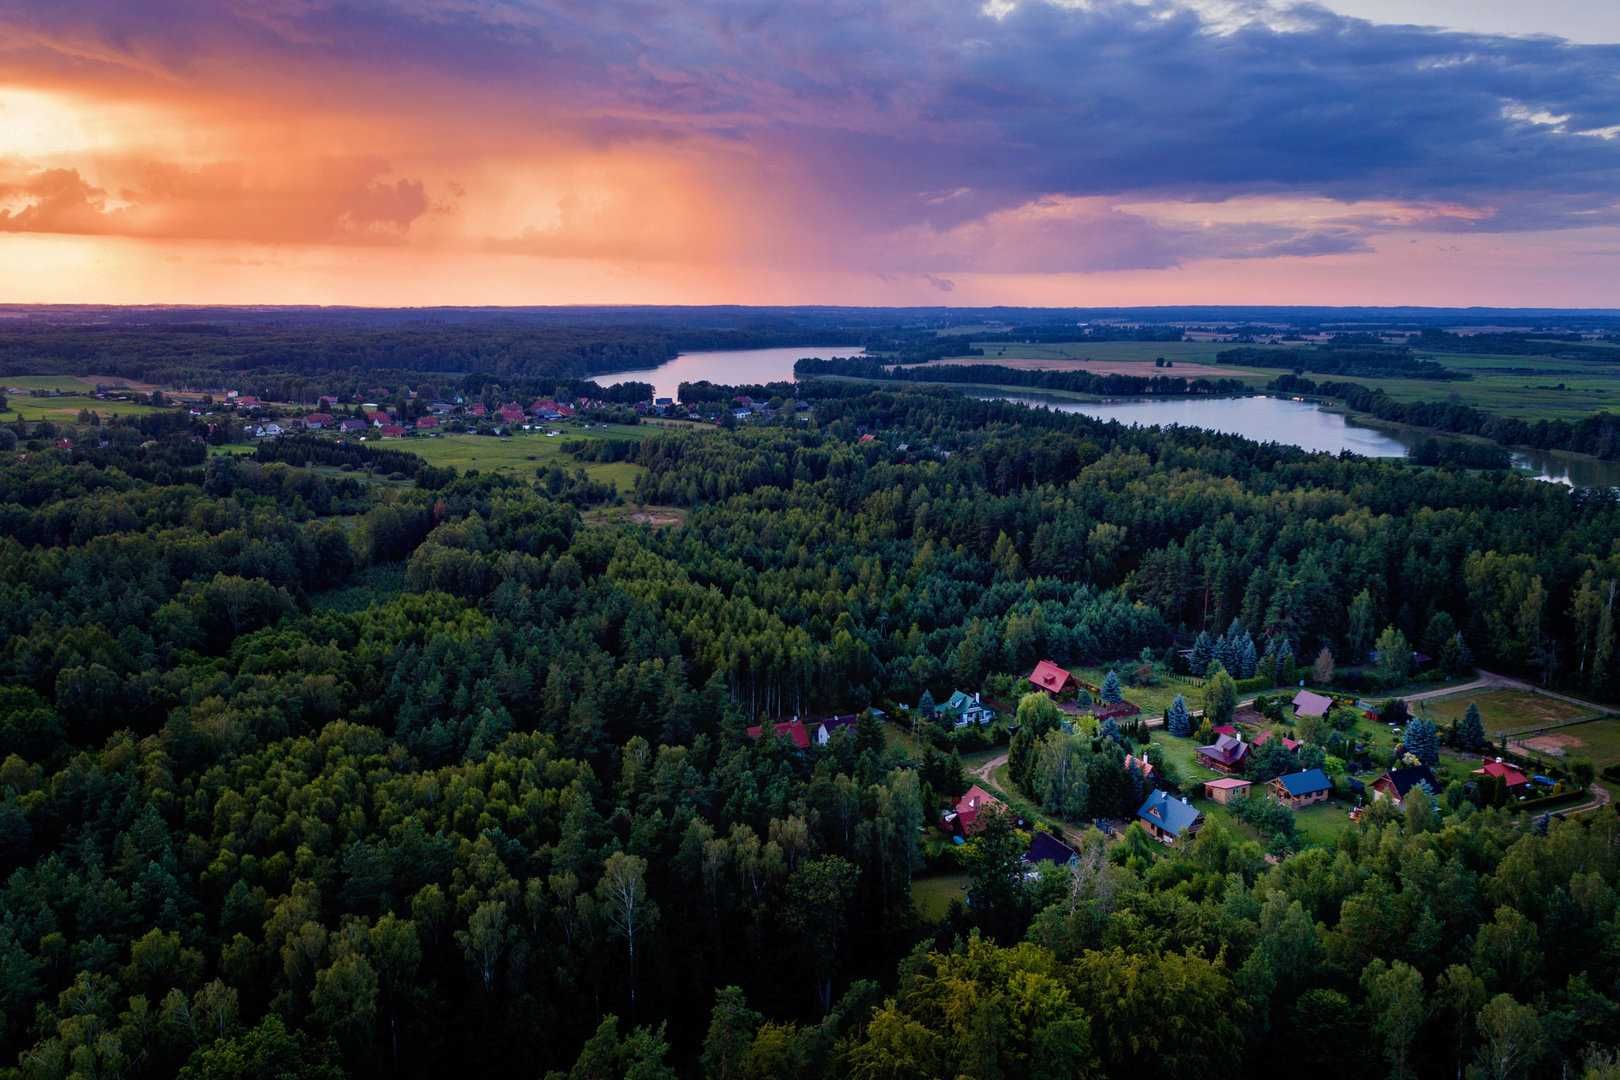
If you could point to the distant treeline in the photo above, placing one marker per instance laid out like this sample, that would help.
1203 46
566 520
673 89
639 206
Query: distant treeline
1563 346
304 451
1083 382
1598 434
694 393
1392 362
1046 333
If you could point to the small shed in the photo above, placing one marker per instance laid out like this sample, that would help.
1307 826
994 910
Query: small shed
1226 789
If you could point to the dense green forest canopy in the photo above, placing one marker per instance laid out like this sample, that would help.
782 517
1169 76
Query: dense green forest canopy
303 774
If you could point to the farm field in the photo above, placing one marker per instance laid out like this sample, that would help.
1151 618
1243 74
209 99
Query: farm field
1558 390
1504 711
66 409
46 382
523 453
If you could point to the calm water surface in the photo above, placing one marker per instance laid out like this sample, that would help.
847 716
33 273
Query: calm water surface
732 366
1306 424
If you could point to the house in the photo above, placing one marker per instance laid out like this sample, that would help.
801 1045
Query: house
1295 790
393 431
478 409
1141 765
1168 818
315 421
269 431
1288 744
1395 784
1515 780
867 438
246 401
1051 678
1044 847
349 427
511 413
966 818
827 727
1226 729
1226 754
379 417
1226 789
1309 704
426 423
792 730
963 709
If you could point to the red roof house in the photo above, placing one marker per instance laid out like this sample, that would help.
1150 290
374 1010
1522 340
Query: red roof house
478 409
1051 678
967 817
393 431
512 413
1513 778
1265 736
423 423
317 420
792 730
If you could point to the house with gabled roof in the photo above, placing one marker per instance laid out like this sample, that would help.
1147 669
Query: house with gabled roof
1044 847
1397 784
1051 678
1515 780
1295 790
1266 736
1168 818
1227 754
963 708
792 730
828 726
966 818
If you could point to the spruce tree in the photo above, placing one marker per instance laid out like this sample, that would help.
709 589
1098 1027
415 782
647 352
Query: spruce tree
1179 721
1111 693
1203 651
1471 731
1422 741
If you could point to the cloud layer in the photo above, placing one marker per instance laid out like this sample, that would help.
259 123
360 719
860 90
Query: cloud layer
921 137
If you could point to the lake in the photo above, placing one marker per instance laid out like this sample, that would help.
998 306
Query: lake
1307 425
730 366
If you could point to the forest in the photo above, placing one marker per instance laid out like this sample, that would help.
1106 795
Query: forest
305 774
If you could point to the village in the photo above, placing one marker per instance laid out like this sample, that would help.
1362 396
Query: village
1289 770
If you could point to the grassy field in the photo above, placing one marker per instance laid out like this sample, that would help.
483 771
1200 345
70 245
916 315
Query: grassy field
932 896
1504 711
65 410
524 453
1596 740
46 382
1559 389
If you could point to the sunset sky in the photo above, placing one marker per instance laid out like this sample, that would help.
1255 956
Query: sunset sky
1088 152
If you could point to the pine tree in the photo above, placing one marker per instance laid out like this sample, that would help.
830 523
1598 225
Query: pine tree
1471 731
926 705
1179 720
1111 693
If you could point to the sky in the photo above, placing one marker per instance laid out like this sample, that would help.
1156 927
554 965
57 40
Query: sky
1039 152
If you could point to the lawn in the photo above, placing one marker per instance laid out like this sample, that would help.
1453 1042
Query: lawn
932 896
524 453
1153 700
1504 711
